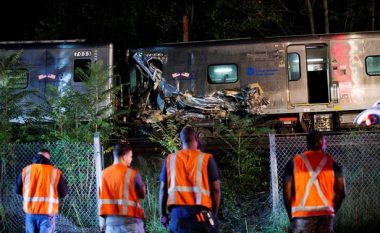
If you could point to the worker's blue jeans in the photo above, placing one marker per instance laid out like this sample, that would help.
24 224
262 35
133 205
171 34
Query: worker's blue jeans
39 223
124 224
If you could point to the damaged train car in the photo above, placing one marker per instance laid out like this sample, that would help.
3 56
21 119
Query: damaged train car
50 63
299 83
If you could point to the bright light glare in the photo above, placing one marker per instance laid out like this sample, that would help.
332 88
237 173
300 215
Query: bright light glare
223 70
368 121
309 60
314 59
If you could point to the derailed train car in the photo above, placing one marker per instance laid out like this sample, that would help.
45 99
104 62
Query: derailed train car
299 83
44 63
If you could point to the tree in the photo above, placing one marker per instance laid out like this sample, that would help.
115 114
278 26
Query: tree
77 116
373 15
166 134
326 15
311 16
13 99
255 19
239 137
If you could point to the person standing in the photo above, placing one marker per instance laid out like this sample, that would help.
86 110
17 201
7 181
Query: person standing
190 188
314 188
120 192
41 185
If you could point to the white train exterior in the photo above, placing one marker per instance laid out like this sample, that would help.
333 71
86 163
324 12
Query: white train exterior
317 81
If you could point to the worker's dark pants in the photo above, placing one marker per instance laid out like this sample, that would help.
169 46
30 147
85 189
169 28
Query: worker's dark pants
315 224
184 220
39 223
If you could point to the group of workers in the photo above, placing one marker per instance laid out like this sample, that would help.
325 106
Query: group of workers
314 189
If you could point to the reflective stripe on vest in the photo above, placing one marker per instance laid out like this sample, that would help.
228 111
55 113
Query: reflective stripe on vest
198 190
26 195
313 181
119 202
123 202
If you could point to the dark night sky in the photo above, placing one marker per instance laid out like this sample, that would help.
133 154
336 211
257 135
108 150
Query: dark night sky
111 20
17 19
81 19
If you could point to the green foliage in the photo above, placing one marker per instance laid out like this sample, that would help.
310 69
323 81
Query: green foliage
166 134
95 104
360 209
12 99
76 160
243 167
243 141
149 169
68 114
269 227
2 218
256 19
77 115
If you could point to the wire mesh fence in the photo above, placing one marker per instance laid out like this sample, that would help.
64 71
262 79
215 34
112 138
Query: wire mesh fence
78 211
358 154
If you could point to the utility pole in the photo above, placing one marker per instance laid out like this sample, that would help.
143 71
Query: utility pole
185 28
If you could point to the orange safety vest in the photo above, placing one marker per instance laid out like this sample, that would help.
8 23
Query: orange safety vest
314 185
117 195
188 178
39 189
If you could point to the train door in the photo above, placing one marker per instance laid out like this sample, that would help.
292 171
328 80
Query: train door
298 92
308 74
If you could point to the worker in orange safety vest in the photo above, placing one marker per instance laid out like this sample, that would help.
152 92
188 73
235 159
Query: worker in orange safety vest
41 185
314 187
120 192
190 188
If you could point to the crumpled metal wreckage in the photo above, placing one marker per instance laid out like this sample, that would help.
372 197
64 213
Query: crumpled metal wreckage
174 103
216 106
369 117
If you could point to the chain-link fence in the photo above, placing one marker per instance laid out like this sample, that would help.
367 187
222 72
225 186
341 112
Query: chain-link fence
78 211
358 153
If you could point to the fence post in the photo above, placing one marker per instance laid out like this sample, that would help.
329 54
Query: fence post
98 168
274 179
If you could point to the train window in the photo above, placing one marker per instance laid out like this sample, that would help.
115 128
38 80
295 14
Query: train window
219 74
372 65
83 64
294 66
18 78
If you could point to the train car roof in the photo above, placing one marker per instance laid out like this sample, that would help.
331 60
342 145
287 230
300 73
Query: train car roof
76 43
289 38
